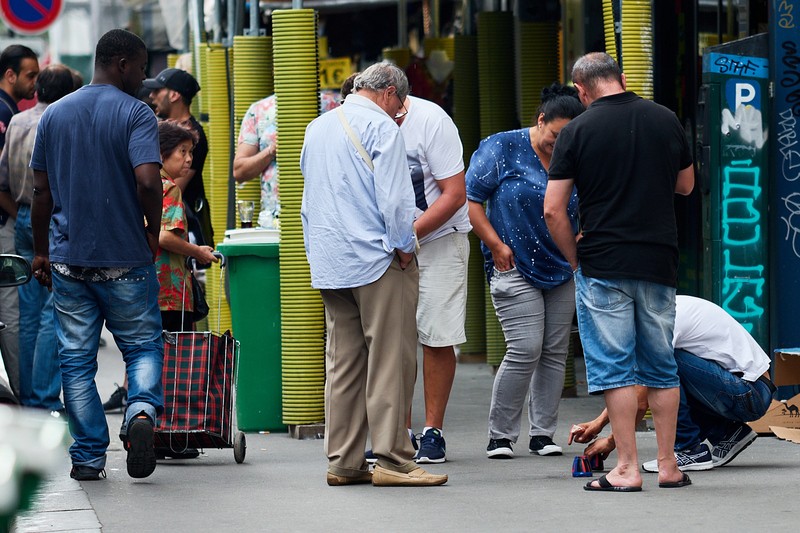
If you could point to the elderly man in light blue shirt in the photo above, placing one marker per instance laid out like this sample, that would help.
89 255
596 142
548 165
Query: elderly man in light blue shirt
358 216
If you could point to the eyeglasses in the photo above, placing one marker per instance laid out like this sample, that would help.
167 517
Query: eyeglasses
403 113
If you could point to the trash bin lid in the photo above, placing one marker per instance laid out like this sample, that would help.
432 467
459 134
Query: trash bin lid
260 249
258 235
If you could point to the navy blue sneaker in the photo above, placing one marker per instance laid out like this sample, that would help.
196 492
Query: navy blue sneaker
431 447
692 459
372 458
732 444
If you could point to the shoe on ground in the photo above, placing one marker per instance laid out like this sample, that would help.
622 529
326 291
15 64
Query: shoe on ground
499 449
431 447
335 480
117 401
141 454
188 453
732 444
693 459
371 458
543 445
87 473
382 477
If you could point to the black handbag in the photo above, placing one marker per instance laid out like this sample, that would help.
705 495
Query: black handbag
199 297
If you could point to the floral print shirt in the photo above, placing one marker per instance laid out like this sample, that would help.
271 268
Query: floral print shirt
171 267
260 128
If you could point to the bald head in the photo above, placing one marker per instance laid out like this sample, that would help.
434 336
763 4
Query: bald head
597 74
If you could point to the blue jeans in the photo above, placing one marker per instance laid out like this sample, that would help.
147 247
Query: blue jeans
713 401
626 330
129 306
40 376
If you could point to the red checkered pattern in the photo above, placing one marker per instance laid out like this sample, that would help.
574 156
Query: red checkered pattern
198 399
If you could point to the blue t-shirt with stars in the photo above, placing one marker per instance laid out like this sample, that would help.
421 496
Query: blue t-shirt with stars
506 173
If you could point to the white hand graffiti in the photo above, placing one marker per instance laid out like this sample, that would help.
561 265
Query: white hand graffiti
747 122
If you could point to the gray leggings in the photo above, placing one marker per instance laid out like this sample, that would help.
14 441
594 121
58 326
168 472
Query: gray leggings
536 325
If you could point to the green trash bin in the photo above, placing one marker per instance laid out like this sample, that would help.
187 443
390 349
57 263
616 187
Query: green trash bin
254 281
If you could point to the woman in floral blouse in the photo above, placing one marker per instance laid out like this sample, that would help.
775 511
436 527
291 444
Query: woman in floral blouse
175 296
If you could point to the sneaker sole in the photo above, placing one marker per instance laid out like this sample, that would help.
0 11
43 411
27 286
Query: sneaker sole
734 452
141 454
697 467
547 450
428 460
500 453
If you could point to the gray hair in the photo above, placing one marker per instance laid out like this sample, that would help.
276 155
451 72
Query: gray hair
594 67
379 76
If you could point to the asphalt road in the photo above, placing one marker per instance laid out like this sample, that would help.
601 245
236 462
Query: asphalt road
281 485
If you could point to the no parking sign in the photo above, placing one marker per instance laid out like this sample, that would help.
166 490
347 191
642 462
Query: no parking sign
30 16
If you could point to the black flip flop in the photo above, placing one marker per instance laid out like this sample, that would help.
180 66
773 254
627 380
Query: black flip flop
684 482
608 487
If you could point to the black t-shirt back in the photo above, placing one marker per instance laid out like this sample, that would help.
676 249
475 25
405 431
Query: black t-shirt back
624 154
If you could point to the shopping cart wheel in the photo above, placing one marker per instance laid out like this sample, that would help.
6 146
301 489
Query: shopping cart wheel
239 447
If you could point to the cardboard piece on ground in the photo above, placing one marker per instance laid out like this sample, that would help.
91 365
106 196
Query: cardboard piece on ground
780 414
792 435
787 367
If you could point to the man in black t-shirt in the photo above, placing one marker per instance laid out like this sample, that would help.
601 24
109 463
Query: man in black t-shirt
172 92
627 157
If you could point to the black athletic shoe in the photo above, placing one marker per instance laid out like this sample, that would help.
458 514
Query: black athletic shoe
141 454
499 449
542 445
86 473
117 401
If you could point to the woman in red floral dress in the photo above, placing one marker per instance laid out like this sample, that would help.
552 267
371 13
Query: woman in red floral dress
175 296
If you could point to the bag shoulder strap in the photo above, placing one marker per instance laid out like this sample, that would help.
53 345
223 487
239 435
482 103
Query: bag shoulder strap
350 133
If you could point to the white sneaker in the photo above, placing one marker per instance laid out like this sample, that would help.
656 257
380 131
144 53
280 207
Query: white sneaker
694 459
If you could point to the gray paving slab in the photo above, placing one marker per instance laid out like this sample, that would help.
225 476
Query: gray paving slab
281 486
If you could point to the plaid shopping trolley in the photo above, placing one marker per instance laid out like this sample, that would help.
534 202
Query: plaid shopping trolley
199 394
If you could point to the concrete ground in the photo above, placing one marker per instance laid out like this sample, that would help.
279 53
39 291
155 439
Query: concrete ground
281 485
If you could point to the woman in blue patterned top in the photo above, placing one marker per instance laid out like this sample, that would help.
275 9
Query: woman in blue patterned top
530 281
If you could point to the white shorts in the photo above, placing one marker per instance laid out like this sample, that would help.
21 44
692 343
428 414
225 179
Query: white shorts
442 307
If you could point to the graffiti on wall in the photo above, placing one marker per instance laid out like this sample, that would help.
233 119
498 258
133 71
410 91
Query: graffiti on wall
787 108
785 169
743 271
743 224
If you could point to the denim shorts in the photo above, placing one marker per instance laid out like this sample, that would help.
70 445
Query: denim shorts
626 330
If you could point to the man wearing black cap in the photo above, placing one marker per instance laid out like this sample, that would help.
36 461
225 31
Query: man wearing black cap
172 92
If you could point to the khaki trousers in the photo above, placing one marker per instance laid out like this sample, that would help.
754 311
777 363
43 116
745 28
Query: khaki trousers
371 364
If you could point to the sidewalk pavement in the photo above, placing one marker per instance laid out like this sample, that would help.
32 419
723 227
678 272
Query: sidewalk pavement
281 485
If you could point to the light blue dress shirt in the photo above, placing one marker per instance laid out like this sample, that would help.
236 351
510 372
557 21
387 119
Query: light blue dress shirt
353 218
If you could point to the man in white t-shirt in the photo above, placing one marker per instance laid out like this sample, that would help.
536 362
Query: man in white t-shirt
436 162
724 377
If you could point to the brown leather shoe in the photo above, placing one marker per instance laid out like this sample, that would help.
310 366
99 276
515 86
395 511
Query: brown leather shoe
381 477
335 481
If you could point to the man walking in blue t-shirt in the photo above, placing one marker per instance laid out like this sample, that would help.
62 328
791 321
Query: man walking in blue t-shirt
97 188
